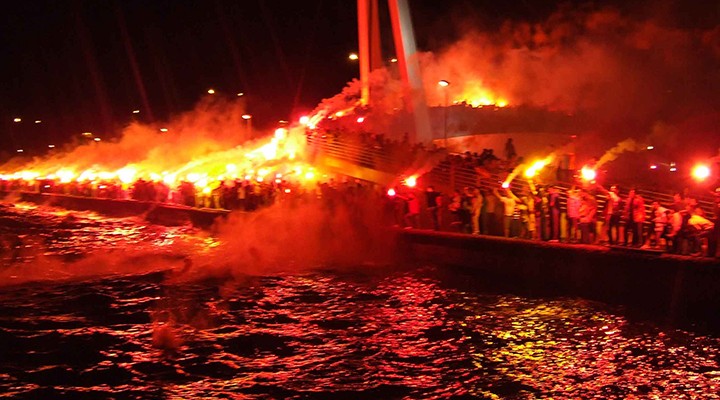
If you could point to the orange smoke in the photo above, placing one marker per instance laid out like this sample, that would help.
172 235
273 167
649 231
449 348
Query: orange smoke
206 145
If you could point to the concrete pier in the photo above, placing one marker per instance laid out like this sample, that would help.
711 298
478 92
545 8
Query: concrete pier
680 290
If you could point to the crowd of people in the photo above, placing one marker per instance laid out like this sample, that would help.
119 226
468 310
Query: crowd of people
585 215
228 194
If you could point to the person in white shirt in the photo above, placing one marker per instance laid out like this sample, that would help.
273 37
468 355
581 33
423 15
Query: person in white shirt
508 210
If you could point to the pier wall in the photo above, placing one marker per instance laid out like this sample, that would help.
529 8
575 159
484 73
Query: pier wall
160 213
675 289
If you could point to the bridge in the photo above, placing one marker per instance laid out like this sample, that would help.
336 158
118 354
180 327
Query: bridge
388 168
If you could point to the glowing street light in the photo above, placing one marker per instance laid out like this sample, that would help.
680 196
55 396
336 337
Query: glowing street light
248 121
20 150
701 172
211 91
651 147
97 139
37 121
444 84
241 94
393 60
391 192
163 129
353 57
51 146
136 112
17 120
360 120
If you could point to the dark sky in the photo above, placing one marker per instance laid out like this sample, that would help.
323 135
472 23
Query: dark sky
85 65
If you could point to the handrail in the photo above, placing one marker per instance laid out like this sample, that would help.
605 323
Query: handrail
446 174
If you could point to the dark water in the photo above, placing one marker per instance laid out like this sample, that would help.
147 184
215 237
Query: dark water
368 332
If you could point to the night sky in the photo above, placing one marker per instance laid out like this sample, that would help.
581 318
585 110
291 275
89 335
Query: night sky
85 65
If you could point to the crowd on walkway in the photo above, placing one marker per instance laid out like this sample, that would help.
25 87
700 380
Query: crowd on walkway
227 194
550 213
545 212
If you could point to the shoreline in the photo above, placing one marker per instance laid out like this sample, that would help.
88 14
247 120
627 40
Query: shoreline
670 288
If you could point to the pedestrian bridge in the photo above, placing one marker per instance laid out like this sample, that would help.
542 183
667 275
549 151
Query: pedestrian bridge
388 167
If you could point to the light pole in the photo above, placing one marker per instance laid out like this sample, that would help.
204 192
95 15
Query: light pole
248 120
444 84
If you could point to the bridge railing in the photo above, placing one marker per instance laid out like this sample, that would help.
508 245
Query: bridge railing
369 155
453 177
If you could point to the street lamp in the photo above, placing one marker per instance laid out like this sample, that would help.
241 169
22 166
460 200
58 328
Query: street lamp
444 84
248 119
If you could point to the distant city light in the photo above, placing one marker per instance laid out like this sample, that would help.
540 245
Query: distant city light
241 94
673 168
246 116
505 185
87 134
211 91
353 56
393 60
360 120
37 121
52 146
19 150
391 192
97 139
650 147
304 120
163 129
17 120
444 83
136 112
653 166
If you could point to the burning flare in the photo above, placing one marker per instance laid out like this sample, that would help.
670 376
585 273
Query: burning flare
202 148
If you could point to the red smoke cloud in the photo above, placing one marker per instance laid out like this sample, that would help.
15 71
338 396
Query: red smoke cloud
621 75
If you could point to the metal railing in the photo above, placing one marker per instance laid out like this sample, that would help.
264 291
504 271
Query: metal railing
448 176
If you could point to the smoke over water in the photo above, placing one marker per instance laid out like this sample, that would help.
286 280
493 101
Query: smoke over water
214 125
205 146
